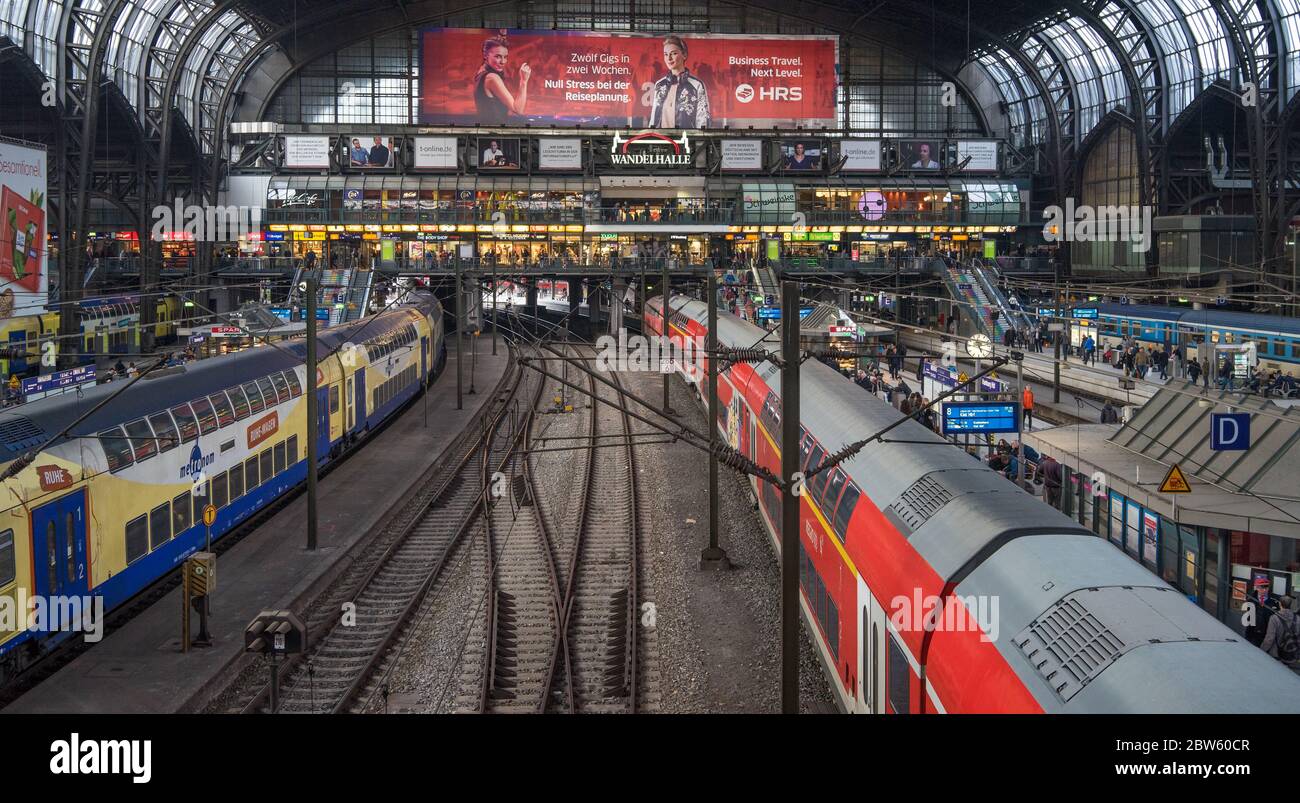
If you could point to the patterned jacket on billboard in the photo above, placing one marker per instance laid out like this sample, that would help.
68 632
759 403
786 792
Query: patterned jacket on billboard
692 101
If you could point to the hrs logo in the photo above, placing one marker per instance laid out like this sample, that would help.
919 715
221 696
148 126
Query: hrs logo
745 93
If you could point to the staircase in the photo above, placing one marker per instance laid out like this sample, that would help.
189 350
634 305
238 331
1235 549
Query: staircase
968 292
359 294
765 281
334 290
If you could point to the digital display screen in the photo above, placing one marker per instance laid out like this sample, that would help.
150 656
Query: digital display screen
964 418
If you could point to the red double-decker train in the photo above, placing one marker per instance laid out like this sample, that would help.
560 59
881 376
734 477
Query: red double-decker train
932 584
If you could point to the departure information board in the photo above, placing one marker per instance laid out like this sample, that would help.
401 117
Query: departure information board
966 418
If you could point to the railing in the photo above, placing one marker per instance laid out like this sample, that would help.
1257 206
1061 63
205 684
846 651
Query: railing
1026 264
722 214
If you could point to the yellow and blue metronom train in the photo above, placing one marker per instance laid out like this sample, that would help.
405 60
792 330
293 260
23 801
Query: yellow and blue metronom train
113 506
108 325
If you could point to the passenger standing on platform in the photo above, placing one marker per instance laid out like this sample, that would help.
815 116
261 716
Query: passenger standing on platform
1281 639
902 358
1142 362
1193 370
1109 415
1089 350
1226 380
1049 471
1027 401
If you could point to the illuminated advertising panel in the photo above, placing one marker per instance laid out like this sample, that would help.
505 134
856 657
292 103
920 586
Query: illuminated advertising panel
511 77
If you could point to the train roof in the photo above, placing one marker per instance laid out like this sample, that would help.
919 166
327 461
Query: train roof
1204 317
1054 579
33 424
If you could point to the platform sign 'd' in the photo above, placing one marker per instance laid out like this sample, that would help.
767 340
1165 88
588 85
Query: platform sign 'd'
1175 482
1229 432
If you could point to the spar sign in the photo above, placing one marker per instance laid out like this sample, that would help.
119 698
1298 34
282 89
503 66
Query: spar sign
501 76
23 264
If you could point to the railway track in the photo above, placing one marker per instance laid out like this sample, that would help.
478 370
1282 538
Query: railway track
558 630
388 584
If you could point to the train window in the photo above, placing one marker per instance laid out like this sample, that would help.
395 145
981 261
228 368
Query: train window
1229 337
279 457
236 482
220 490
268 467
294 385
141 438
181 513
814 460
268 392
805 446
281 387
200 496
185 420
137 538
334 398
1295 349
1214 336
207 418
1137 329
239 402
292 449
250 474
160 525
165 430
899 678
117 449
52 555
832 493
225 414
844 512
8 560
254 395
818 482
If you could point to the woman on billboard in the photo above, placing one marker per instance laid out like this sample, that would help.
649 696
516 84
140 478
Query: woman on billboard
492 100
681 100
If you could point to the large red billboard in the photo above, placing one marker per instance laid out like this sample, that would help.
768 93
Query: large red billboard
492 77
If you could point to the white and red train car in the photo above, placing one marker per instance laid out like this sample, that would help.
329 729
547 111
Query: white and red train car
1038 613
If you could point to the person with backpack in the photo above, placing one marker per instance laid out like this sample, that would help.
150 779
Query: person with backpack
1281 639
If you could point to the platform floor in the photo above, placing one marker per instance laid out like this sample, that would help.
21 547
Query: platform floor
1100 380
140 669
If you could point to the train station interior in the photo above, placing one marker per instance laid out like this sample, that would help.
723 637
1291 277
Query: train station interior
650 356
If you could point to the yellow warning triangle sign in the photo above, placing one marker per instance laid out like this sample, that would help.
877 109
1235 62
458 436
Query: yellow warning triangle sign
1175 482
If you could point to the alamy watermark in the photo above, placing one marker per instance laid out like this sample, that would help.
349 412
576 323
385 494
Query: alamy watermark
1077 223
209 224
976 613
655 354
53 614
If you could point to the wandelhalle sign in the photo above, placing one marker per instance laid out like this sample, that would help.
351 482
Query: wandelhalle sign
622 79
650 149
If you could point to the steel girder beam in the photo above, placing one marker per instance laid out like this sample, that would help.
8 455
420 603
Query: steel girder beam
1250 39
84 35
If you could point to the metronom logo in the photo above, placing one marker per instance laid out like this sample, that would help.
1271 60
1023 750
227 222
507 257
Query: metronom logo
655 354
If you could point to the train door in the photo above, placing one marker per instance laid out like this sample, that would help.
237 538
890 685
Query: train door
872 629
349 404
59 542
322 421
359 400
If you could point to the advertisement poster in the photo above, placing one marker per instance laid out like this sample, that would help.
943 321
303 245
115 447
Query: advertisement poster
498 153
1150 526
919 154
860 155
983 155
510 77
435 153
559 154
742 154
23 258
371 152
803 155
307 152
